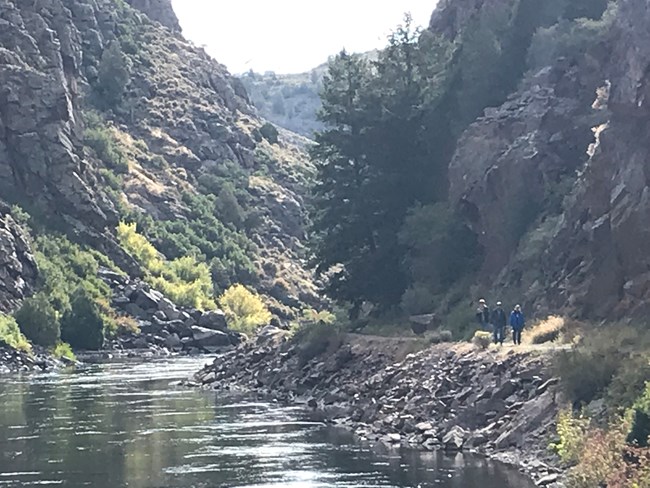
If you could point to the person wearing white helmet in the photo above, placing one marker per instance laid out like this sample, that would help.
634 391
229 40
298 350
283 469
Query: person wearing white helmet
483 314
499 323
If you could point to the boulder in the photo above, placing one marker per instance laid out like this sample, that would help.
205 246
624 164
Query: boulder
213 319
173 341
135 310
393 438
168 309
146 300
209 337
454 439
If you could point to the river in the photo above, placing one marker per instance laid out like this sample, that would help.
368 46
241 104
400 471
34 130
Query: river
126 424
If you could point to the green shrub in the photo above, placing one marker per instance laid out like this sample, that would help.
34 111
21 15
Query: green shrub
139 247
64 266
270 133
572 432
10 334
228 208
441 336
567 38
39 321
185 280
640 429
628 382
418 299
245 310
482 339
228 251
83 325
585 374
114 75
63 350
101 140
314 339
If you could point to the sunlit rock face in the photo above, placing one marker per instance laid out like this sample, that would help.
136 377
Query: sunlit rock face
158 10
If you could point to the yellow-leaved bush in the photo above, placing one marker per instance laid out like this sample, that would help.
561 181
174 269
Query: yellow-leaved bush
11 335
245 310
185 280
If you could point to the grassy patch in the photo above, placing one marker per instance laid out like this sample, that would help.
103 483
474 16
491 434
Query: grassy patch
482 339
547 330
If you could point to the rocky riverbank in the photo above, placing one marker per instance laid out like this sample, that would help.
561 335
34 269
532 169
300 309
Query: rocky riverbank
14 361
449 396
164 327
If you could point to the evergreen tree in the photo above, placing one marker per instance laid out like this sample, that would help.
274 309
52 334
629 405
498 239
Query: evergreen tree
374 162
114 75
342 221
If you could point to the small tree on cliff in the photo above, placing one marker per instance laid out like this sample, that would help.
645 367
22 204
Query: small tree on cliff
114 76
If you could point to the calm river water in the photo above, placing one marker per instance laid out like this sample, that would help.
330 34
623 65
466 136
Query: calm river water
127 425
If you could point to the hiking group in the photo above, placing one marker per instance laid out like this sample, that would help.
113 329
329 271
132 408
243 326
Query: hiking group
496 321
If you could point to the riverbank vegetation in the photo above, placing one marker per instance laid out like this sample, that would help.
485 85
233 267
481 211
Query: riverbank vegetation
11 335
245 309
603 435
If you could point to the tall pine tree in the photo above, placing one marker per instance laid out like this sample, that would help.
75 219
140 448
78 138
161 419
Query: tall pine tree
374 163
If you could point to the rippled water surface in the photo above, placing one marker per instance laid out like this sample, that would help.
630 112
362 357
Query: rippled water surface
127 425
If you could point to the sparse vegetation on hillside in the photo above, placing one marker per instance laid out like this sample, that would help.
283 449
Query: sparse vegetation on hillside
185 280
290 101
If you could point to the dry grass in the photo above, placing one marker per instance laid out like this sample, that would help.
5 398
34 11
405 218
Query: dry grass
482 339
547 330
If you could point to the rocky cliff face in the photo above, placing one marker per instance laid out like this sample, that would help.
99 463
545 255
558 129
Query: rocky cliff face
182 121
160 11
17 266
554 181
600 248
41 160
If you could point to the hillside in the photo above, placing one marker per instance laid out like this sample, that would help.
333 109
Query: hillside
108 115
289 101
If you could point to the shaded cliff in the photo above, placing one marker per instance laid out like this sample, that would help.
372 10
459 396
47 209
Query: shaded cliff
553 180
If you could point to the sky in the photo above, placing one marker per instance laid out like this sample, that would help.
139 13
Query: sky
292 36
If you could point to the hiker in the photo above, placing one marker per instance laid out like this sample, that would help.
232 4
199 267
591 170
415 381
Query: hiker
517 323
483 314
499 323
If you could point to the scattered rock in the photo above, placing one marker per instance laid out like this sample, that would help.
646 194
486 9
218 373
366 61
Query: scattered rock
454 439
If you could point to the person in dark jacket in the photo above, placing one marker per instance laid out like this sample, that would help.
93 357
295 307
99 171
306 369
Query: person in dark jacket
517 323
483 314
499 323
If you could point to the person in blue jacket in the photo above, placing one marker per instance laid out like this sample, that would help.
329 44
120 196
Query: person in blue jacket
517 323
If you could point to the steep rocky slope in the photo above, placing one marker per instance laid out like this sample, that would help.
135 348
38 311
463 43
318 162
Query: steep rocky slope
175 130
553 181
17 266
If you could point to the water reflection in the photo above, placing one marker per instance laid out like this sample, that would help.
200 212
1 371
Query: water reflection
126 425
